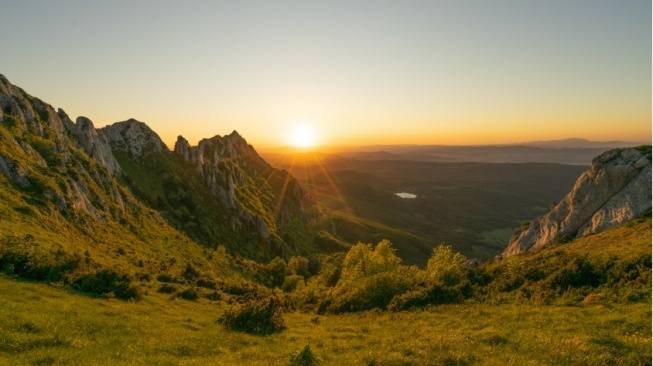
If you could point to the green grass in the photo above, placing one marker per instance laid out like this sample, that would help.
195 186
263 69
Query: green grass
48 325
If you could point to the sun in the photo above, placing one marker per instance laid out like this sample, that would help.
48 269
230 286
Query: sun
303 136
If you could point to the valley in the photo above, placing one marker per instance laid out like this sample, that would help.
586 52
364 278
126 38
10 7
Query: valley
473 207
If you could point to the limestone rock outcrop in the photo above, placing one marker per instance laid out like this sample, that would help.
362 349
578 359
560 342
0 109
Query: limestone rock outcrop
94 144
228 165
615 189
133 137
42 150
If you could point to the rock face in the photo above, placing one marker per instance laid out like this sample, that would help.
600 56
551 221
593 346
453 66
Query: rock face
615 189
94 144
236 198
228 165
132 137
42 150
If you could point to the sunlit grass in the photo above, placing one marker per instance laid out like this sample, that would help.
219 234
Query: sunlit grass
48 325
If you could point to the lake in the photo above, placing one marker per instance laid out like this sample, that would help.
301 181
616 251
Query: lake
406 195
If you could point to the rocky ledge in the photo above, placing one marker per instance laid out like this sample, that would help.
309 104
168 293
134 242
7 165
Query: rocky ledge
615 189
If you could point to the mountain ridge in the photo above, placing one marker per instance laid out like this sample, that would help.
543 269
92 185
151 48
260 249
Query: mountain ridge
46 152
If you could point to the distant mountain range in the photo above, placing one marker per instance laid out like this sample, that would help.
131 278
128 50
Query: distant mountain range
575 151
576 142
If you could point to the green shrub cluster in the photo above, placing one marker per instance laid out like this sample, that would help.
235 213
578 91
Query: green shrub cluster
21 256
559 275
256 316
109 283
305 357
372 277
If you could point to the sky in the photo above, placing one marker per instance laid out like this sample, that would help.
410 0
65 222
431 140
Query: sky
353 72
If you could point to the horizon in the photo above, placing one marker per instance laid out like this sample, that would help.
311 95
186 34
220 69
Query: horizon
356 74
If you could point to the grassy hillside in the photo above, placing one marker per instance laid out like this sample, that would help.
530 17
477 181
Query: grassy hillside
46 325
584 324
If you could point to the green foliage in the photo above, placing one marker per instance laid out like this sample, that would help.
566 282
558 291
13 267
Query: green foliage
22 256
645 149
299 266
569 273
445 266
256 316
292 282
46 148
366 278
190 294
363 261
167 288
108 282
275 272
305 357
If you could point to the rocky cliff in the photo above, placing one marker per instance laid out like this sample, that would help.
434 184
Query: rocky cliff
615 189
132 137
66 167
220 192
264 198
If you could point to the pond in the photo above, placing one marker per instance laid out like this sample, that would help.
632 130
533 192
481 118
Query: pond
406 195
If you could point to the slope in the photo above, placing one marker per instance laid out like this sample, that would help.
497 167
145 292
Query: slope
44 324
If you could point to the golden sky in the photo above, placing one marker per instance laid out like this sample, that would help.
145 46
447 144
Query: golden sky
359 72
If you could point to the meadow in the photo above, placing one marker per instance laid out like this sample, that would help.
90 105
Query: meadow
45 324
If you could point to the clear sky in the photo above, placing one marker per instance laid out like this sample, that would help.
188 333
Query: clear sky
357 72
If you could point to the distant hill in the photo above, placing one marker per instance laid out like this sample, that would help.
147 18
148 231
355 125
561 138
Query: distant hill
574 151
581 143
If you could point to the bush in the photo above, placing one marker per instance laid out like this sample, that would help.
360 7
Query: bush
167 289
436 294
305 357
256 316
106 282
190 294
291 282
21 256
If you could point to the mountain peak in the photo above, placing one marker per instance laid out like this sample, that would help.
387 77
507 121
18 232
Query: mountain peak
133 137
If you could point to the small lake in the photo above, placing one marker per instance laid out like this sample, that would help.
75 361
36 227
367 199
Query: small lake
406 195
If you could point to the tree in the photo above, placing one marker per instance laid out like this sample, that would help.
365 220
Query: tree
276 272
299 266
363 261
445 266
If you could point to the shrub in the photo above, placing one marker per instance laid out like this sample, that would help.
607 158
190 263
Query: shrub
21 256
446 266
206 283
108 281
305 357
291 282
435 294
165 278
256 316
275 272
190 294
167 289
373 292
190 273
